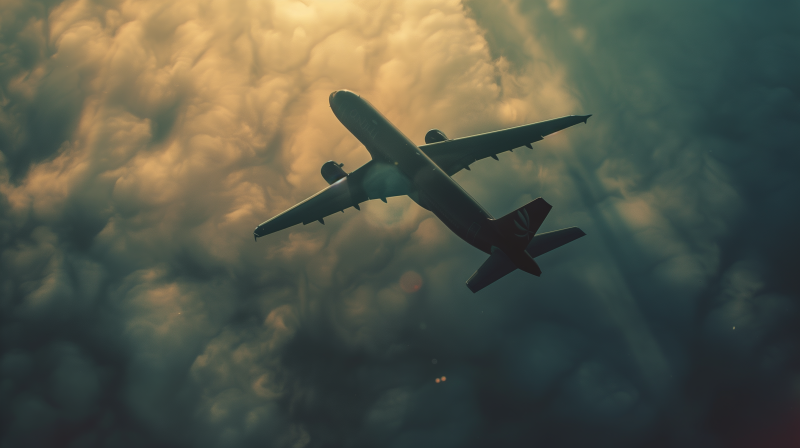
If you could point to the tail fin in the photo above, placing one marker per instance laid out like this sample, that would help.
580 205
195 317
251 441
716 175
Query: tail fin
519 226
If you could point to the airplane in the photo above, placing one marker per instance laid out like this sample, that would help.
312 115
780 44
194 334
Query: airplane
399 167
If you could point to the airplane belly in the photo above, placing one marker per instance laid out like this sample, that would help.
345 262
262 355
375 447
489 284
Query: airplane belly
437 190
455 208
477 234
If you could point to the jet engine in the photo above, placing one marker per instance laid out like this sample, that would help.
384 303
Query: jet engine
434 136
332 171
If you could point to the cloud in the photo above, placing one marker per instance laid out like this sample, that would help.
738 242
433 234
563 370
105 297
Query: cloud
141 142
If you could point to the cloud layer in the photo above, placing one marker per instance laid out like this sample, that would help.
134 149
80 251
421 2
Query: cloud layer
143 141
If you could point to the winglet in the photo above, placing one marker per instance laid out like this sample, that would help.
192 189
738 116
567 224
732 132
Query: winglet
586 118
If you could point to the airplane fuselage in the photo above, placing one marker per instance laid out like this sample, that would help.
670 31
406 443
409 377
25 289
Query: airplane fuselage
431 187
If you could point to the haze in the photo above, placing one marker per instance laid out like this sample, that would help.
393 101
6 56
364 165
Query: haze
141 142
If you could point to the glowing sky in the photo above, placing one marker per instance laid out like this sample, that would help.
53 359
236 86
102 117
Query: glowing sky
142 141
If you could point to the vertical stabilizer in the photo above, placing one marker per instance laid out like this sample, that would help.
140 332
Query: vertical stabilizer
519 226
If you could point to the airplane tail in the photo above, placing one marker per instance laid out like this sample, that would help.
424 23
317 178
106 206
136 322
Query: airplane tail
545 242
522 244
497 266
519 226
517 230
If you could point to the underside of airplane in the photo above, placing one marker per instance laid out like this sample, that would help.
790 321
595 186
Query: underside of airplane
424 173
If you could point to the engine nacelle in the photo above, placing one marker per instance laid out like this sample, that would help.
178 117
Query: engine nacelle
332 171
434 136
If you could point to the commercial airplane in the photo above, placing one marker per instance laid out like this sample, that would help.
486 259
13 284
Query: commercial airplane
399 167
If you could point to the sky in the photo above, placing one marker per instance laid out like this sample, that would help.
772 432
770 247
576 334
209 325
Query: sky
141 142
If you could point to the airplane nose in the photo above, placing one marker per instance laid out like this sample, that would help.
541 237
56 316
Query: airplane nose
341 95
332 97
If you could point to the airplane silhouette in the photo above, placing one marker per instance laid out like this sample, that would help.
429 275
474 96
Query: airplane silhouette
399 167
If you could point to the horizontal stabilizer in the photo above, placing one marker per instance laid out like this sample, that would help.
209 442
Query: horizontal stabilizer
545 242
497 266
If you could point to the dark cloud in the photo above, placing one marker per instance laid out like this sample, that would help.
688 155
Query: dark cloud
141 143
686 179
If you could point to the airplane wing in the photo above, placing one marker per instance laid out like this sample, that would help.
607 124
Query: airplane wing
373 180
454 155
